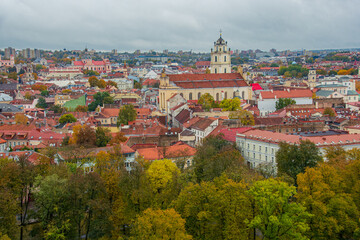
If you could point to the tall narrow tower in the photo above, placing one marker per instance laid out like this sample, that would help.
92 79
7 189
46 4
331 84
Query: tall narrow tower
312 78
220 57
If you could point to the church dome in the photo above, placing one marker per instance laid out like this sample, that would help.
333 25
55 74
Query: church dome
220 41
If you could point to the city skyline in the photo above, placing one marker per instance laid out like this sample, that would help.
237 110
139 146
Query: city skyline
185 25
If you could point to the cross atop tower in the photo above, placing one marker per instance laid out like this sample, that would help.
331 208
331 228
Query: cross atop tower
220 32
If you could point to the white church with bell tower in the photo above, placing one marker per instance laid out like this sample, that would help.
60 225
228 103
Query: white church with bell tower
220 57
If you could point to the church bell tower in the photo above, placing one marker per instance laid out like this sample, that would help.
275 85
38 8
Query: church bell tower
220 57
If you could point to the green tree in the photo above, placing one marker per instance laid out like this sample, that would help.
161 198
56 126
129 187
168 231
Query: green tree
127 113
57 108
100 99
277 217
284 102
51 200
67 118
329 111
45 93
102 136
230 104
215 156
293 159
160 225
41 103
13 75
9 189
207 101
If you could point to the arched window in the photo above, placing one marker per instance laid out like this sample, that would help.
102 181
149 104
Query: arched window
224 70
225 92
224 58
243 95
199 95
215 70
215 58
217 97
190 96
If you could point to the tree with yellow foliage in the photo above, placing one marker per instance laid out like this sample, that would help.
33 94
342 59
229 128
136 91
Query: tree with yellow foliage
245 117
160 225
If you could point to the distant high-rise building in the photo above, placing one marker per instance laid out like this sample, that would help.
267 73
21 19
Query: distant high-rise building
137 52
273 50
220 57
30 53
9 51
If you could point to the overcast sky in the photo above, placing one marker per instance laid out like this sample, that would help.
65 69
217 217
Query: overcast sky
127 25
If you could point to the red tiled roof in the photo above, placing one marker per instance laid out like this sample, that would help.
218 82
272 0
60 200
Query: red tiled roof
183 116
305 93
212 76
202 124
275 137
179 149
110 112
229 134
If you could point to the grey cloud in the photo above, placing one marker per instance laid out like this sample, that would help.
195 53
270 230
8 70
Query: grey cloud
174 25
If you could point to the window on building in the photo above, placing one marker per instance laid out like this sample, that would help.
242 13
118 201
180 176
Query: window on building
224 70
266 149
190 96
224 58
215 59
225 92
217 95
253 146
259 148
254 155
266 158
199 95
243 95
215 70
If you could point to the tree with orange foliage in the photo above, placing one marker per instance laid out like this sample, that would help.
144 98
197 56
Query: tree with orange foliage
93 81
111 83
118 138
20 118
39 87
345 71
81 108
35 76
83 135
101 83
